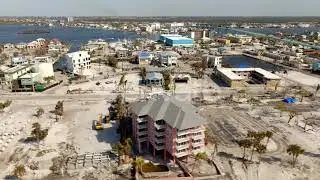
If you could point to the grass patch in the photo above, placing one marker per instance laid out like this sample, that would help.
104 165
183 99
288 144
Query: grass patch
149 167
43 152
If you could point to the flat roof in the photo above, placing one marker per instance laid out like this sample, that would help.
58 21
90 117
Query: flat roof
229 72
29 75
178 38
15 69
171 35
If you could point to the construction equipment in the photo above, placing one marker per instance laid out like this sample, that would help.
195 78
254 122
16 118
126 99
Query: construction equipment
97 124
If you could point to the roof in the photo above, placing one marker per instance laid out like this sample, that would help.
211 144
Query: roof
178 38
175 111
29 75
77 52
170 35
154 76
169 53
15 69
145 54
229 72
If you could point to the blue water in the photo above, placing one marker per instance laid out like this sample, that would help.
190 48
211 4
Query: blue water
243 61
74 36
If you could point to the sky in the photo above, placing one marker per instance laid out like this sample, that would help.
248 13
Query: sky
160 8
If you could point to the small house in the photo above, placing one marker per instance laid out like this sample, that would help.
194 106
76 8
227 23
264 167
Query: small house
154 78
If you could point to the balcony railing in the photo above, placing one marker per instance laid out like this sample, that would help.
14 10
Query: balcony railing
159 147
157 126
196 144
159 133
200 136
181 154
142 133
196 151
180 140
159 140
143 139
140 120
142 126
184 146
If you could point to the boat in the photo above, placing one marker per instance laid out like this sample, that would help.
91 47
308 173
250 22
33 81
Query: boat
34 31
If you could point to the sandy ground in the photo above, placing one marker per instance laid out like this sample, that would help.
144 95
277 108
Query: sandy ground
229 123
301 78
75 128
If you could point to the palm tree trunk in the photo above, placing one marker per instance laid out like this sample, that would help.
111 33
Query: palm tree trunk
251 153
244 154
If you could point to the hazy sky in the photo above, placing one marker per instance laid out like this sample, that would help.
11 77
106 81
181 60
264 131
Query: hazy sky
160 8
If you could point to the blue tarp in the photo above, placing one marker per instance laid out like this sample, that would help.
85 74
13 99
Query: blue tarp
289 100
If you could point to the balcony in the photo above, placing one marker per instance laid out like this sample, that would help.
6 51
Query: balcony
160 147
142 133
181 154
142 126
196 144
184 146
159 126
184 132
196 151
140 120
143 139
180 140
197 137
157 140
159 133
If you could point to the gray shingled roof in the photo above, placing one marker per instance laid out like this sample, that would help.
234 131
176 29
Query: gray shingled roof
177 113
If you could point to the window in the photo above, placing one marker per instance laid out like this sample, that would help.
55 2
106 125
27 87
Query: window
78 60
80 55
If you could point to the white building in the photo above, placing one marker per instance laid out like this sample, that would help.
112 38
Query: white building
7 75
168 58
21 60
78 62
21 45
213 61
42 59
156 26
44 70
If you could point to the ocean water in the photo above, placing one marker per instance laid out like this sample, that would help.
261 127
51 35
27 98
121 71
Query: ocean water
74 36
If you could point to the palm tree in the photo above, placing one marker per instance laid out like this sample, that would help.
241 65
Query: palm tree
303 93
256 138
127 148
261 149
268 134
19 171
139 162
294 150
199 156
119 148
245 144
143 74
317 89
58 109
40 112
292 114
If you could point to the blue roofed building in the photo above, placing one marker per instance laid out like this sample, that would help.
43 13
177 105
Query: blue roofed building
145 57
176 40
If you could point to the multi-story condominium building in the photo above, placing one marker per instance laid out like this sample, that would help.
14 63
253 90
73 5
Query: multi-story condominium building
168 127
77 62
